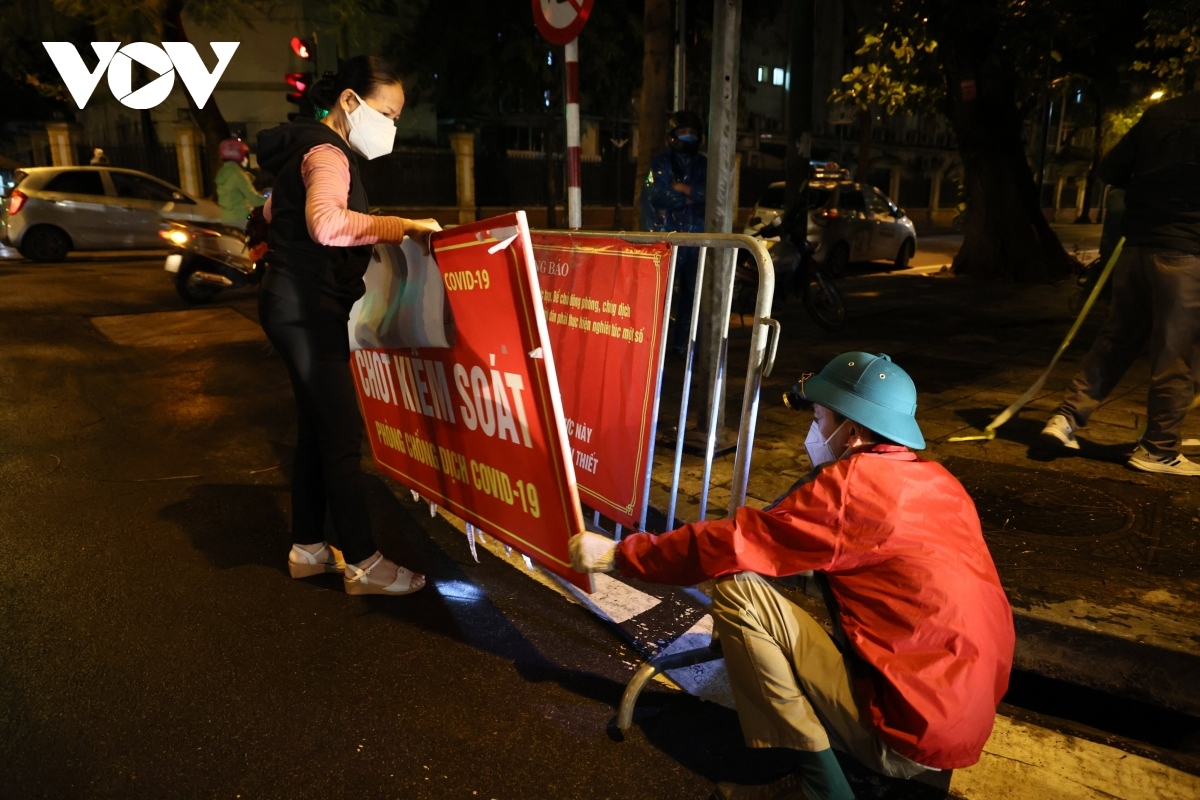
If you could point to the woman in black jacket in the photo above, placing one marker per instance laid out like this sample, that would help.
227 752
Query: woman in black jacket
321 238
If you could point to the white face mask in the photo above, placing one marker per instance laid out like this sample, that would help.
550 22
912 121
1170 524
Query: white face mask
372 133
817 446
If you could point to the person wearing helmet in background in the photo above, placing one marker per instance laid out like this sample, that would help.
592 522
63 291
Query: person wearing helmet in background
235 185
924 630
673 200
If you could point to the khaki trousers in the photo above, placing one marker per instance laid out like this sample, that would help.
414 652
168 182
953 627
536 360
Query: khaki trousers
789 679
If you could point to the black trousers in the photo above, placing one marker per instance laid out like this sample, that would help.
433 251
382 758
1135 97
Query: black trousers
1155 300
315 346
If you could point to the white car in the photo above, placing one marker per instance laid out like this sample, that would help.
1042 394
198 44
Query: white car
846 222
55 210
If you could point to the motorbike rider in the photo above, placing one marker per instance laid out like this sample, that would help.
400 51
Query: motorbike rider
321 238
673 200
925 630
235 185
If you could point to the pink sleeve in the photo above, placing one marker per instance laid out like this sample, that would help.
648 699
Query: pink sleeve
326 174
267 208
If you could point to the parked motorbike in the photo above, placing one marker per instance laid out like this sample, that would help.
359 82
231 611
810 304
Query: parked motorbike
207 259
795 273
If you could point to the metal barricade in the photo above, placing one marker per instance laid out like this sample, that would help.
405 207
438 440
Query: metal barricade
764 342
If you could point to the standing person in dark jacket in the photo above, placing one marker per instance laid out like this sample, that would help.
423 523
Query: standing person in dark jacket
321 238
1156 286
673 200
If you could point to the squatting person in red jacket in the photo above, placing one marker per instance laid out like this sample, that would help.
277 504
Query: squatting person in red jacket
928 629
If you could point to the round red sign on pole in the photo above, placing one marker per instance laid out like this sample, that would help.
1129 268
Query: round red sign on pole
560 21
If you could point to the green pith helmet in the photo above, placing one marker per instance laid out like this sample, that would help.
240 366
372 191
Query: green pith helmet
872 391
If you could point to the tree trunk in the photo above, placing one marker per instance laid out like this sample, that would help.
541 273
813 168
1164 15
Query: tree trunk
208 119
1005 235
864 145
656 89
1085 214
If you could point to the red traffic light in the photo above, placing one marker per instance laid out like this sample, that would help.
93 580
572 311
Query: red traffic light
300 83
301 47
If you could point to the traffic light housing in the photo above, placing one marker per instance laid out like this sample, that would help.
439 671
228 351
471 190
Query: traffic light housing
299 83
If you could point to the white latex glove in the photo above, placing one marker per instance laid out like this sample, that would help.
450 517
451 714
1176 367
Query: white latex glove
591 552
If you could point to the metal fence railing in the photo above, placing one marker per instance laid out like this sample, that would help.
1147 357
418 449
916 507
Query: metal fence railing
159 160
516 181
720 250
411 178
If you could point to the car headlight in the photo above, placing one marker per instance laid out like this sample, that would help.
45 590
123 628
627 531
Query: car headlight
174 236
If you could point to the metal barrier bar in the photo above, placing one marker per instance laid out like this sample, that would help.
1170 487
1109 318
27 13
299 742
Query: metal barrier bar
687 386
662 354
718 387
760 337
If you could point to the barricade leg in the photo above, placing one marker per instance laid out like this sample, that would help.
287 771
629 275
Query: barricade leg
662 663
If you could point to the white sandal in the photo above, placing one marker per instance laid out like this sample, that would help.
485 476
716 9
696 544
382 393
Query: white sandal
303 564
356 581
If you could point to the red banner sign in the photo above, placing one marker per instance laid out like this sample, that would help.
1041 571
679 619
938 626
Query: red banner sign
603 300
477 426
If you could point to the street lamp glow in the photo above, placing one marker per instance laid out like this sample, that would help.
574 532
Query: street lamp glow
1156 95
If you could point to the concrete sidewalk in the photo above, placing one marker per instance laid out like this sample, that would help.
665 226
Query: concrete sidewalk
1101 563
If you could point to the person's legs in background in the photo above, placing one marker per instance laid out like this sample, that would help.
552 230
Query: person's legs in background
686 263
1118 344
1175 282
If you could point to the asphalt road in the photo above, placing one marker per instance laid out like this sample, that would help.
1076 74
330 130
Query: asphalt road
153 645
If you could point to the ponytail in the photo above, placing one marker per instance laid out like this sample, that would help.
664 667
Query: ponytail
361 74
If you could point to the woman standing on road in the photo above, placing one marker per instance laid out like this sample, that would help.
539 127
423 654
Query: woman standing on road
321 238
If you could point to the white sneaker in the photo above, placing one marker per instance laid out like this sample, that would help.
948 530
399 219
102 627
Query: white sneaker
1060 432
1169 465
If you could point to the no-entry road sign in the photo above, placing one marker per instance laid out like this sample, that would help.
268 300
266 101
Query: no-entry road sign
560 21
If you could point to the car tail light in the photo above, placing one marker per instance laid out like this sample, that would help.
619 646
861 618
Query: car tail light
17 202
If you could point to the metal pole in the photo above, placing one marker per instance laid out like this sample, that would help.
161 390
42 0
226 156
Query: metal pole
680 55
574 192
721 205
